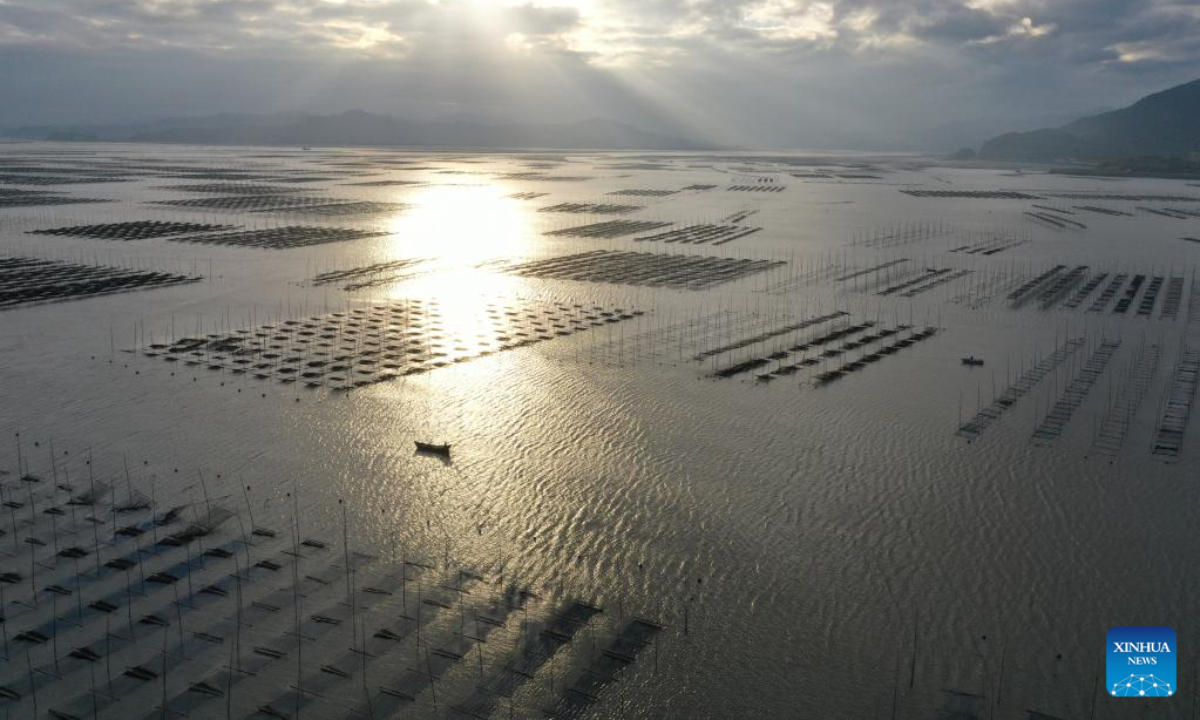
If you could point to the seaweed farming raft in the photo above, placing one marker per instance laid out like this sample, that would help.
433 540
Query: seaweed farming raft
247 203
1052 426
883 351
974 427
57 180
693 272
367 276
1119 197
119 605
136 230
283 238
702 234
971 194
1177 406
230 188
345 350
766 187
1055 221
289 203
591 208
767 334
637 637
634 192
26 280
33 198
609 229
1117 420
788 364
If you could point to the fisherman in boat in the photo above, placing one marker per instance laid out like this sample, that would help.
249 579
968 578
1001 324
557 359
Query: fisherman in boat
433 448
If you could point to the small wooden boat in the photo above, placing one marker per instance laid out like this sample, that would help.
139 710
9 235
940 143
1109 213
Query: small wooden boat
972 361
433 448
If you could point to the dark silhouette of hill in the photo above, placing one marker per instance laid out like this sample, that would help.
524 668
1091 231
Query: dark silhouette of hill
1165 124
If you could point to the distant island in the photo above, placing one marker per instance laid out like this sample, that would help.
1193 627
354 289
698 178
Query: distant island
1158 135
361 128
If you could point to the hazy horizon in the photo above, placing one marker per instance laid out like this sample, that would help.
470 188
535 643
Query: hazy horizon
847 74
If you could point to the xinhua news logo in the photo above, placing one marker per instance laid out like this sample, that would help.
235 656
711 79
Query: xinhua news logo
1141 662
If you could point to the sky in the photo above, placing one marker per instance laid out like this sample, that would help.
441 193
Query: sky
835 74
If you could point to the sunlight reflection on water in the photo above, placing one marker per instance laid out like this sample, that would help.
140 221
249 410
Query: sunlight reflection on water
462 224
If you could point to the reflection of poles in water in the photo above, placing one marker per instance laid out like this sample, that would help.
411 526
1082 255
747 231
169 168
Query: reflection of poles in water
462 609
92 672
349 570
165 668
896 685
655 649
53 516
29 491
207 510
365 667
250 514
479 644
245 539
1195 695
912 675
153 507
54 532
1095 686
432 679
129 591
3 626
108 653
418 617
54 627
137 545
1000 684
296 596
178 607
32 573
235 648
187 549
92 504
32 684
12 515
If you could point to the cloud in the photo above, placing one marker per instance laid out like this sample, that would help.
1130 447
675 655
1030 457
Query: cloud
890 73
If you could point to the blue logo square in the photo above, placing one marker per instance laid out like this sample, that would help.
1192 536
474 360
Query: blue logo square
1141 662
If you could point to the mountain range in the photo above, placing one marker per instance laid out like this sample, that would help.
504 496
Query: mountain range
1162 125
1165 124
358 127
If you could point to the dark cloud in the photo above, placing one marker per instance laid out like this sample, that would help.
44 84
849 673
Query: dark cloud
959 24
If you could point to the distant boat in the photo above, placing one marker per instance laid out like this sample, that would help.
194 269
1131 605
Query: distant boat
433 448
973 361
